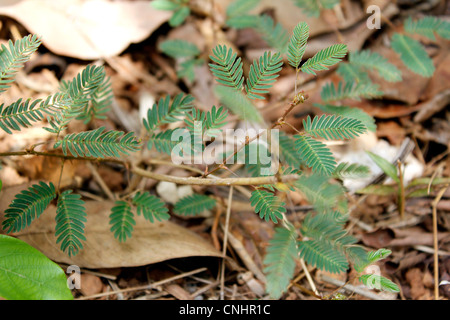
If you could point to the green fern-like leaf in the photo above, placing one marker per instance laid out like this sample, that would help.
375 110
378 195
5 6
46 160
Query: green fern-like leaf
99 104
309 7
70 219
228 68
98 144
324 59
20 114
274 34
428 26
194 205
280 261
180 10
319 192
122 220
238 103
27 206
87 96
357 255
380 254
243 21
315 154
312 8
187 68
375 281
364 258
263 74
351 72
368 60
349 112
179 16
268 205
210 121
324 227
323 256
151 207
333 127
328 227
413 55
84 85
13 57
346 170
297 44
215 119
240 7
194 119
287 150
162 141
178 48
164 112
167 5
366 90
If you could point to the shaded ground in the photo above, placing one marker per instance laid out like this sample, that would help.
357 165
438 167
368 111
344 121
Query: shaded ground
414 109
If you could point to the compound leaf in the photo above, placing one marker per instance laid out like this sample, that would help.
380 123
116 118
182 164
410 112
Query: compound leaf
297 44
98 144
150 206
121 220
263 74
268 205
27 206
280 261
70 219
324 59
315 154
332 127
413 55
194 204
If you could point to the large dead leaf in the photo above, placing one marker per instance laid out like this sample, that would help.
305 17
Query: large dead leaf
86 29
150 243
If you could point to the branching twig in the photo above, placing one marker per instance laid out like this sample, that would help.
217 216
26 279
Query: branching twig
215 182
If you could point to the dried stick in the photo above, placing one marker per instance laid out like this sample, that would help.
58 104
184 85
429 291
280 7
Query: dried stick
146 287
351 288
435 242
225 240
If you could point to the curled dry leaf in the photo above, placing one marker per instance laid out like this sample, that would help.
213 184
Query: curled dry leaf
150 242
391 237
86 29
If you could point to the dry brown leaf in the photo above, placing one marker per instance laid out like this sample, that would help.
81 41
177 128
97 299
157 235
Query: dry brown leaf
418 290
150 243
91 284
86 29
390 237
10 177
412 86
392 131
49 169
379 238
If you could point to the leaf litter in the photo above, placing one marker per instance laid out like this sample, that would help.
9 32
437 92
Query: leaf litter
415 108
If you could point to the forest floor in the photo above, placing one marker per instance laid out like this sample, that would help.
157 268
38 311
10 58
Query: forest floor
176 263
